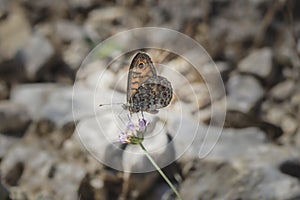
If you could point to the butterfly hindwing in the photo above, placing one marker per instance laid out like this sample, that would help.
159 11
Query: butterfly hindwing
154 94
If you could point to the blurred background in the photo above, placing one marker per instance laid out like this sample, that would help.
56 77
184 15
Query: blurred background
255 45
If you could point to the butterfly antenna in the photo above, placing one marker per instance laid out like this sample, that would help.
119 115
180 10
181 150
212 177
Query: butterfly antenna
109 104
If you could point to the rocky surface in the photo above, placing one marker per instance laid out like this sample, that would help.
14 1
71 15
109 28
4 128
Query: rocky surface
57 143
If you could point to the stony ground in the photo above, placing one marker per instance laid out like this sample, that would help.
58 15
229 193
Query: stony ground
256 47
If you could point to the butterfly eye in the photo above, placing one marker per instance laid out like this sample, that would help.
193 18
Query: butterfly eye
141 65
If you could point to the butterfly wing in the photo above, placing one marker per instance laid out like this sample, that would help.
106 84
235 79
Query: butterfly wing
154 94
141 69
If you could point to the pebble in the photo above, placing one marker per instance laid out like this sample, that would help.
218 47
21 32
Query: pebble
258 63
283 90
14 118
36 56
244 92
14 32
68 31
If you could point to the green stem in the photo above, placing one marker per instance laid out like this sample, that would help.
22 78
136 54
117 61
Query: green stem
161 172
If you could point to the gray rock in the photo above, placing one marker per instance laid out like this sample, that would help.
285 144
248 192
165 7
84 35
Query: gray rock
98 24
4 7
234 160
68 31
14 32
4 90
56 102
195 93
38 10
4 193
75 54
283 90
259 63
183 130
85 4
6 143
36 56
295 99
32 94
14 118
67 179
99 136
31 162
281 114
244 92
42 96
255 183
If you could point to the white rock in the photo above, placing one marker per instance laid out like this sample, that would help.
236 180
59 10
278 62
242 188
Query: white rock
243 93
14 32
67 179
282 90
36 55
100 137
259 63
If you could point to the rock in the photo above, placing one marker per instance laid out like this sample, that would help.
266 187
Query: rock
39 95
6 143
36 56
227 161
291 167
67 179
79 4
281 114
68 31
256 183
32 94
188 136
14 118
99 137
285 186
41 10
295 99
4 90
282 90
14 32
289 125
258 63
4 193
54 102
195 93
27 165
4 8
274 113
244 92
105 17
75 54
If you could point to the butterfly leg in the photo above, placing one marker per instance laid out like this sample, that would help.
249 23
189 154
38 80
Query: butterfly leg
143 115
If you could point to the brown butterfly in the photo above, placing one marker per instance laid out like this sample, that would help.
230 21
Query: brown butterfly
146 91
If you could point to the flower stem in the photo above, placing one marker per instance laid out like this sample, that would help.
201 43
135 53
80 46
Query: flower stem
161 172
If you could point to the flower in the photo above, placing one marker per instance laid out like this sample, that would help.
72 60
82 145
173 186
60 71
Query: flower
143 125
134 133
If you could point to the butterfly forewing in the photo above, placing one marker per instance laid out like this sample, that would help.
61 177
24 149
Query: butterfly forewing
141 69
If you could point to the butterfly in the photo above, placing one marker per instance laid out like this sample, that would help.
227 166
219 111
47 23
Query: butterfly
146 91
